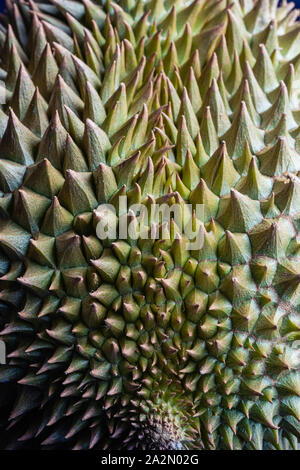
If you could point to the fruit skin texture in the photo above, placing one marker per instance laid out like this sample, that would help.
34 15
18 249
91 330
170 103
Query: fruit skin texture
142 343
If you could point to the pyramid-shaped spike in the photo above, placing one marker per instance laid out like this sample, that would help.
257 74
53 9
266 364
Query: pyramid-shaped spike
278 159
36 117
46 72
219 171
241 131
77 184
18 143
239 213
254 184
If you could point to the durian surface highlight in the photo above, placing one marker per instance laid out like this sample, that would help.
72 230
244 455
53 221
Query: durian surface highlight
145 344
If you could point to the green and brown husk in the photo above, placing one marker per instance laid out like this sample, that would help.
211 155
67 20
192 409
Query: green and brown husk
143 344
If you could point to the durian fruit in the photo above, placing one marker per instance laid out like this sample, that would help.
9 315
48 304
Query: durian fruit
148 344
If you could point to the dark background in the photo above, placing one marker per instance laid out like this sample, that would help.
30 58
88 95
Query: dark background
2 4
